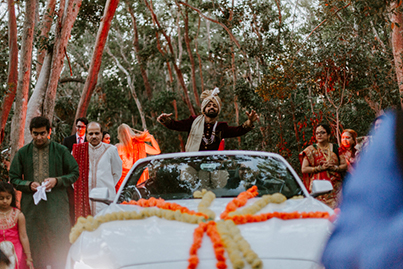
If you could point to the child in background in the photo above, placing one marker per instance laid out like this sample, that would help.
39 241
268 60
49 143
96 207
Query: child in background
13 235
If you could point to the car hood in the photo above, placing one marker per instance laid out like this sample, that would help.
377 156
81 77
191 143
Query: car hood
159 243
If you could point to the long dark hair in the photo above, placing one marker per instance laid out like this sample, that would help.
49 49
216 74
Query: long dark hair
7 187
324 126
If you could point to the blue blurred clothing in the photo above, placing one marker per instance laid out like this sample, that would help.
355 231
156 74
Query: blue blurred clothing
369 230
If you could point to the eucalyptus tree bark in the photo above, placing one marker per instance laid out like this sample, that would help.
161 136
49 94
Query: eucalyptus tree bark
199 58
35 103
333 103
177 69
24 79
45 25
229 31
180 48
91 82
192 61
67 17
137 49
12 69
130 82
234 87
397 46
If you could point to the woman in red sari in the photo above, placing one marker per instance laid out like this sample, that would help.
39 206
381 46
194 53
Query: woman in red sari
321 161
347 149
132 147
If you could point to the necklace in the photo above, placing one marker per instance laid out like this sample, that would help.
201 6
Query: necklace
326 152
5 213
210 140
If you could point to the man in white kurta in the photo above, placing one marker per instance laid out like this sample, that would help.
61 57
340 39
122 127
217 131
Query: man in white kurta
105 171
105 165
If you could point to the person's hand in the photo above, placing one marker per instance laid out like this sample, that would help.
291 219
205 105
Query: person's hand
163 117
325 166
333 168
252 116
50 183
34 185
30 264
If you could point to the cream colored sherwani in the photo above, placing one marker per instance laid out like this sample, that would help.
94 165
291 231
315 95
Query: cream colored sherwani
105 171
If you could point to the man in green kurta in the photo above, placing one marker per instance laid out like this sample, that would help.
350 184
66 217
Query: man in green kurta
45 162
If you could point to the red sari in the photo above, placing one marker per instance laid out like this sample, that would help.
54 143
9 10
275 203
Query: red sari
349 155
317 156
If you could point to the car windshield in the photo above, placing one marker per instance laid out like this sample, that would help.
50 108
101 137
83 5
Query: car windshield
225 175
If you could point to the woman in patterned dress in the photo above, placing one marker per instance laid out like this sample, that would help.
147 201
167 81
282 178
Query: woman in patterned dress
321 161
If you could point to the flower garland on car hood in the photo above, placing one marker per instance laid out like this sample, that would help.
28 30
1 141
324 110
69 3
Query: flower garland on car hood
224 233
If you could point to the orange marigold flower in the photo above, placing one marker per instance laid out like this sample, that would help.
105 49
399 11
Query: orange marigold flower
221 265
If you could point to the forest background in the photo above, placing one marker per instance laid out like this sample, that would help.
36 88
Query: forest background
296 62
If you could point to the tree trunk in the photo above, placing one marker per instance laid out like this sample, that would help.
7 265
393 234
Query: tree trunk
61 40
46 24
132 89
24 79
91 82
176 68
199 58
192 61
12 69
35 103
139 59
397 45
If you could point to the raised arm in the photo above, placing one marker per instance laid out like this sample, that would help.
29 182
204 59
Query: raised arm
177 125
155 148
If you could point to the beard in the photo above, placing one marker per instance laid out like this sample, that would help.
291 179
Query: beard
211 113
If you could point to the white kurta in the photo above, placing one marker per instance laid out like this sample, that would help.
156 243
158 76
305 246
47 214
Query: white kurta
105 171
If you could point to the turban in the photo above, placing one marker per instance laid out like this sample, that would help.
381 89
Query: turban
212 96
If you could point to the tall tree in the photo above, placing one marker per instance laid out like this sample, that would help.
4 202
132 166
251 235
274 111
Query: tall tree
397 44
24 79
12 68
96 60
66 18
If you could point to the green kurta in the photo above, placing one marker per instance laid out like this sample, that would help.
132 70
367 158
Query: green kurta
48 223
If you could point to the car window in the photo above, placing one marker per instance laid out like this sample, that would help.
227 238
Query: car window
226 176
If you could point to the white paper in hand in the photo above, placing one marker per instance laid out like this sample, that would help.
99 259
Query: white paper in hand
40 193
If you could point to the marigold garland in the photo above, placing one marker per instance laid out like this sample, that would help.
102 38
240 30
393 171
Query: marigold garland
223 233
242 219
90 223
203 207
160 203
211 229
239 201
276 198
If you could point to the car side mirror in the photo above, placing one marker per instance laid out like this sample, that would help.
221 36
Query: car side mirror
320 187
100 195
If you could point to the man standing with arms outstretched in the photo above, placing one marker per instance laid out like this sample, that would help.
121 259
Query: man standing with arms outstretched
205 132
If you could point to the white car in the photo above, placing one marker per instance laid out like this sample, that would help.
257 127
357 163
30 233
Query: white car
128 234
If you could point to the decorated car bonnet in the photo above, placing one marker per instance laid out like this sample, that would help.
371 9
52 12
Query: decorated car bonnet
224 233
